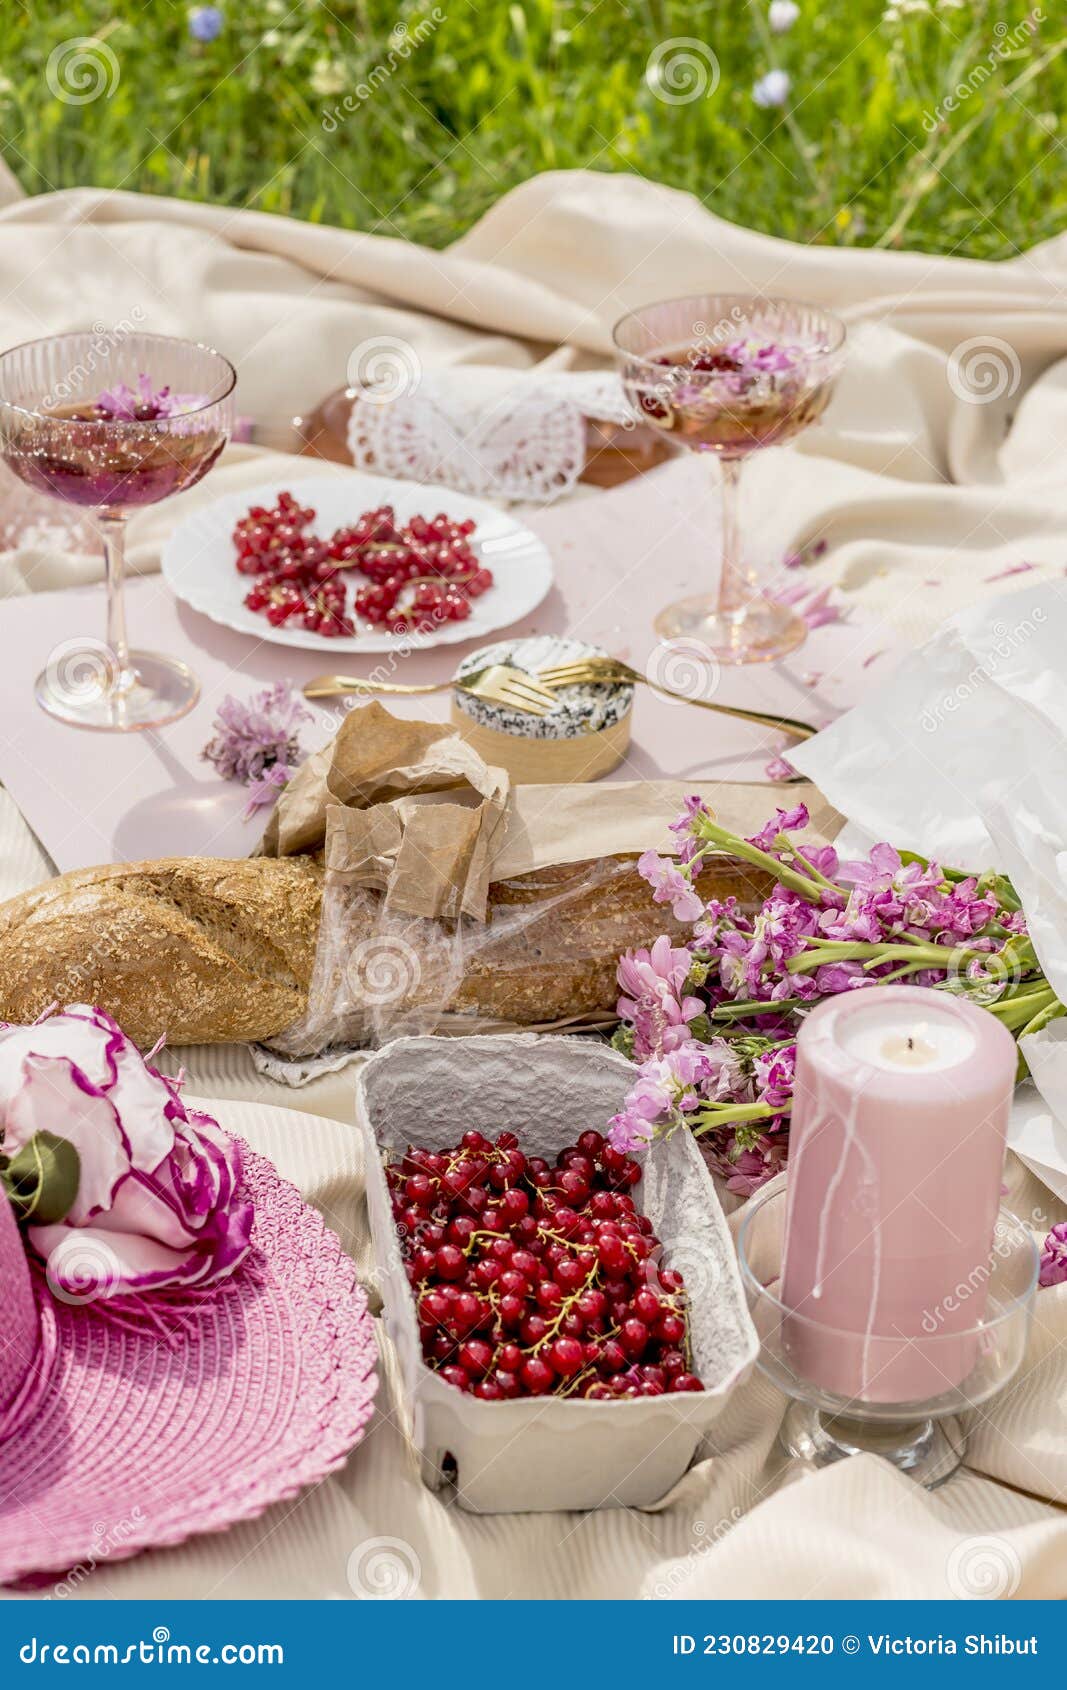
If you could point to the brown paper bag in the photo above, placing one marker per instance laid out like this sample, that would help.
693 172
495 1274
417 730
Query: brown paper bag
453 904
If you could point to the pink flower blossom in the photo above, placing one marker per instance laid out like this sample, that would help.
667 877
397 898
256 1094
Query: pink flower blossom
682 827
811 603
654 998
745 1171
666 1089
783 821
1054 1256
144 403
670 886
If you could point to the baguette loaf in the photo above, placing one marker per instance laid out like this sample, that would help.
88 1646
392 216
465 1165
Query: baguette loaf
211 951
200 948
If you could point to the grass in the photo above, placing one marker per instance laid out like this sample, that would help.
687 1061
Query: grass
485 94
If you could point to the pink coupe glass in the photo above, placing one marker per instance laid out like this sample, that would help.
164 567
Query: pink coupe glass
730 374
110 422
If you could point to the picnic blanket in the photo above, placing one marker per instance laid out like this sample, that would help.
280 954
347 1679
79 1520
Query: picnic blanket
937 473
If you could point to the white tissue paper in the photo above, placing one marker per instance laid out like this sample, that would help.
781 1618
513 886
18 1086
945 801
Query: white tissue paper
961 754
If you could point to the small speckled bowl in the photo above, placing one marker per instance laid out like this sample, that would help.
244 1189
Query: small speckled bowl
584 735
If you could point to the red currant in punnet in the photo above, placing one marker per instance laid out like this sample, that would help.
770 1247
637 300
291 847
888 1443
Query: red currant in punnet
532 1278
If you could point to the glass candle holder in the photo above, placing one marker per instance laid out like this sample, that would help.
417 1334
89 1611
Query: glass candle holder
923 1437
729 374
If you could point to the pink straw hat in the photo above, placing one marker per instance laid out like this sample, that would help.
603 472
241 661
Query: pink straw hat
122 1431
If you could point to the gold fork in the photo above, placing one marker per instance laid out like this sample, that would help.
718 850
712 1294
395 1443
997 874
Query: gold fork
500 683
604 670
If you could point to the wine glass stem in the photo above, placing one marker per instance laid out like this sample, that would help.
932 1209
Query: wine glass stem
734 589
113 529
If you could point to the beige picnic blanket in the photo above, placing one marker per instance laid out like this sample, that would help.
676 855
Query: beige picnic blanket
939 467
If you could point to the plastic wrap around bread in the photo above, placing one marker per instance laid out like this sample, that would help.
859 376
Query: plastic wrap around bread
402 888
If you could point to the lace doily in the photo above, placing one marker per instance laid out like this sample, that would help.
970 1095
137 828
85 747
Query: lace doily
502 434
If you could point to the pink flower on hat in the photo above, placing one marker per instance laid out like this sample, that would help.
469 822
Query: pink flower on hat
152 1201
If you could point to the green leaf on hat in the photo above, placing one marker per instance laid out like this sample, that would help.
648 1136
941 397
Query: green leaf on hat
42 1179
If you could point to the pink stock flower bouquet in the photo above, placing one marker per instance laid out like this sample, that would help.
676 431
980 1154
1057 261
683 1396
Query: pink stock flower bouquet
712 1024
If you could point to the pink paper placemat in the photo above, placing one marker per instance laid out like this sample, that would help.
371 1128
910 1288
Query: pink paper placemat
93 798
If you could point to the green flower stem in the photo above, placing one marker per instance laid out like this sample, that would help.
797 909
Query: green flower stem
915 954
1017 1012
718 1115
719 838
1050 1012
753 1007
859 950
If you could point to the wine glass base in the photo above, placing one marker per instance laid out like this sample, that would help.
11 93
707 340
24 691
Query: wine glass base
926 1450
758 632
160 691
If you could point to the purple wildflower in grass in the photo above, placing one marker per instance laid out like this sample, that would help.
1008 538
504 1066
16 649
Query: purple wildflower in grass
782 15
205 23
772 89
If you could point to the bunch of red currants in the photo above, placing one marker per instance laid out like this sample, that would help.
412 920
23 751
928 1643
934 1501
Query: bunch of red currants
532 1278
418 575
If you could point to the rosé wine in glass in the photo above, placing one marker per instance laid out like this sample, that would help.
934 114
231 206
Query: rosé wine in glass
111 422
730 374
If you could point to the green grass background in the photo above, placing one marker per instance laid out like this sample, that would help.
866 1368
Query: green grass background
499 92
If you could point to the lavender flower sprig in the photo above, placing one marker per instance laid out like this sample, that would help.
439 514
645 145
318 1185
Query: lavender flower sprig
712 1024
257 742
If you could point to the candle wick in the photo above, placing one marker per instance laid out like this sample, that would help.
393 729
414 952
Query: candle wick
911 1042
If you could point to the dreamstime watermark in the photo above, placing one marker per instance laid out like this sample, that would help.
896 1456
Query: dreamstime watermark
106 341
80 670
383 368
384 1569
106 1540
1006 1240
402 43
383 969
684 669
82 69
984 369
1008 41
1006 643
82 1269
656 394
691 1257
682 70
407 644
676 1575
158 1650
984 1568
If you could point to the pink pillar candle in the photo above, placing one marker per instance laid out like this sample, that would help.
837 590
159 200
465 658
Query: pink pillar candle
896 1157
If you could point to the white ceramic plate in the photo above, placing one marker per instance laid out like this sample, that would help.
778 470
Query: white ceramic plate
199 561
